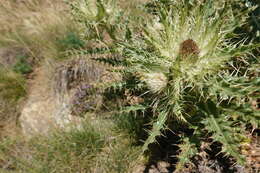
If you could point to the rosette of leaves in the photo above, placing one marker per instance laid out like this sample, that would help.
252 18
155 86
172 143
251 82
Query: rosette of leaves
184 66
188 70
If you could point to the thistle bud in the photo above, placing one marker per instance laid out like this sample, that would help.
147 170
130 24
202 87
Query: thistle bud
155 81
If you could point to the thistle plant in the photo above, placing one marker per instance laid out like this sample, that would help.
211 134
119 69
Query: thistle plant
185 66
97 16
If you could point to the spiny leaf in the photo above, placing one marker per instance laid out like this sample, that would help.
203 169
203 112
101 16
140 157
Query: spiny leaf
98 50
112 86
234 87
222 130
244 112
110 61
133 108
188 150
241 50
158 126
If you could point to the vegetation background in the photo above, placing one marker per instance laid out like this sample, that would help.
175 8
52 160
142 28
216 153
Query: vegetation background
158 85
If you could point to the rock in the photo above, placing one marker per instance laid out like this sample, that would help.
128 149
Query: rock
44 110
50 97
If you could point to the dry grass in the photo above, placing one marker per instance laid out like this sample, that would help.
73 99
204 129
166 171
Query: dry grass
38 29
36 25
12 90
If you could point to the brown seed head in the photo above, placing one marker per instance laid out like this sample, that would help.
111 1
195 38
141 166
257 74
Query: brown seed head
189 48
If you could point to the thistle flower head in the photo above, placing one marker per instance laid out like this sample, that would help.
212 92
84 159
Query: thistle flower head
189 48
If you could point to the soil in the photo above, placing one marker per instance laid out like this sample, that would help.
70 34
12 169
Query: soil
163 158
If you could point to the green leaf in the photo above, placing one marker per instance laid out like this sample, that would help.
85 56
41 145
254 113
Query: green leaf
222 131
241 50
133 108
188 150
158 126
101 10
114 61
